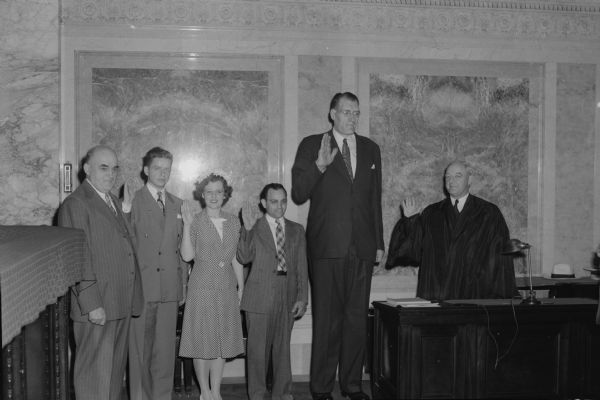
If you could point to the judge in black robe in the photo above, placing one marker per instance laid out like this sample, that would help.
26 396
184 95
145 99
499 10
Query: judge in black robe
459 253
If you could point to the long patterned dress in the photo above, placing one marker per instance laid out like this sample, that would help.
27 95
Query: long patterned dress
212 325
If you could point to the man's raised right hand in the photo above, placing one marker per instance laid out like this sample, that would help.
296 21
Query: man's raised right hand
326 154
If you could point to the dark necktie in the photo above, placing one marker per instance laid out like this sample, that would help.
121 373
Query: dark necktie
280 238
109 203
456 206
160 202
346 157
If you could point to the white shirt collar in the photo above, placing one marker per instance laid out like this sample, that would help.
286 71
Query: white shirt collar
154 191
339 138
102 195
461 201
272 222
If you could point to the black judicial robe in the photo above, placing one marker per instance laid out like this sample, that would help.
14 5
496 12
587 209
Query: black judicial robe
459 254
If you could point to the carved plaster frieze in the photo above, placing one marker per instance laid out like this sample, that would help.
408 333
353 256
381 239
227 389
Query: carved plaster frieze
519 19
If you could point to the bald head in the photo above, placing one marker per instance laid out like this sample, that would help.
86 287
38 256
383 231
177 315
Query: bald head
101 167
457 179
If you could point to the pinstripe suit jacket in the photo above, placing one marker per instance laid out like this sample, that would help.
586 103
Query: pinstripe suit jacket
258 247
157 240
111 278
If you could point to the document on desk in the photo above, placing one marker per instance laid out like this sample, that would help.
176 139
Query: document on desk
412 302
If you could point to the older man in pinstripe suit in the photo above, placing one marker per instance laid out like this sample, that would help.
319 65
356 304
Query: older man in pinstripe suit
110 292
275 293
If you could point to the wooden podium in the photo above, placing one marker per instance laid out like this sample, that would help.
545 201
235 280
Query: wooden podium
487 349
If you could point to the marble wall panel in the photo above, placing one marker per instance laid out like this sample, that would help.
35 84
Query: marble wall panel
575 104
319 78
29 111
212 121
423 122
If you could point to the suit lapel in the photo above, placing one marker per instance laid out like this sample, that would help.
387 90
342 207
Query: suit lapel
99 203
361 160
290 238
264 233
152 210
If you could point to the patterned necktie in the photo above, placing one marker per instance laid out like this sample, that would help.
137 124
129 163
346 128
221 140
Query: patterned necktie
160 202
110 203
346 157
456 206
280 237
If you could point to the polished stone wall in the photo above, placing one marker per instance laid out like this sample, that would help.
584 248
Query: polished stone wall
212 121
29 111
319 77
422 123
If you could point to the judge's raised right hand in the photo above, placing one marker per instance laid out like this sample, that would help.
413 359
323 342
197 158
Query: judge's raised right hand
97 316
410 207
326 154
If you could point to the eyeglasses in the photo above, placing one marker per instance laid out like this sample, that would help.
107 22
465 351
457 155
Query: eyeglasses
350 113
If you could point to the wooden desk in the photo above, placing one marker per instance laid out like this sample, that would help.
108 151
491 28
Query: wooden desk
475 350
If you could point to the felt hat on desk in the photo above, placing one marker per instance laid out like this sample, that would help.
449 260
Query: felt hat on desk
562 271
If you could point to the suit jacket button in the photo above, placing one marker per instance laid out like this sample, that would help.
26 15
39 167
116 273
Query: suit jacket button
158 269
159 253
221 264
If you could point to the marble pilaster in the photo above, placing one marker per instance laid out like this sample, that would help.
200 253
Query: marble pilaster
29 111
576 92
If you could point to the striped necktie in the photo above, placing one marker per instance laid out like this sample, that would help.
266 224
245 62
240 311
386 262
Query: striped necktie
347 159
160 202
110 203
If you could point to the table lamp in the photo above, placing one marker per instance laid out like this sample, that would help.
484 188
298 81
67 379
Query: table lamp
514 246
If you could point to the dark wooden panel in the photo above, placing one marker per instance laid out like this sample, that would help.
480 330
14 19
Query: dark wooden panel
526 365
386 353
437 358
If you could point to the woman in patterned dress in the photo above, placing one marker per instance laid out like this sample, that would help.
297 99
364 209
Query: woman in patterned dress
212 327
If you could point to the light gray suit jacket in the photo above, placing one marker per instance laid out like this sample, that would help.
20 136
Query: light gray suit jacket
158 239
258 247
111 278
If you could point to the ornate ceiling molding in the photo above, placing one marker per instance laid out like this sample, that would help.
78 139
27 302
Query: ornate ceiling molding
518 19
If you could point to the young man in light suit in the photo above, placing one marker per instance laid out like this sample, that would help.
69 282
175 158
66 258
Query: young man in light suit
110 292
275 293
155 216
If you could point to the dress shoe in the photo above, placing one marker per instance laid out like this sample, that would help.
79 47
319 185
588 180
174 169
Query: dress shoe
356 396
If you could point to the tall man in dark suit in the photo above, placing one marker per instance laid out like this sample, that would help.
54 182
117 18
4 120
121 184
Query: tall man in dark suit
340 173
111 291
275 293
157 224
